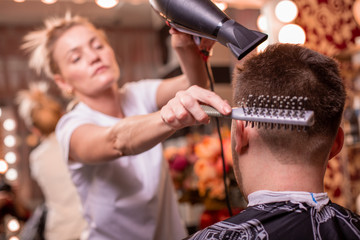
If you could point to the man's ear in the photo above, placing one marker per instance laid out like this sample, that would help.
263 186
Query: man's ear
241 137
338 143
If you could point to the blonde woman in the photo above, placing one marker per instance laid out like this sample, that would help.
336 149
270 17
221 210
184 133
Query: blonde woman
111 138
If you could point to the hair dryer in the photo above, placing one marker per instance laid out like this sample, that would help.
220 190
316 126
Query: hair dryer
204 19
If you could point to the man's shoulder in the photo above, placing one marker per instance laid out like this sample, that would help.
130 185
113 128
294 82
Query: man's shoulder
286 220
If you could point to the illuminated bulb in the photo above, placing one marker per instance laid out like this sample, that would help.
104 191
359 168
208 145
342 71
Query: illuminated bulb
3 166
13 225
10 157
221 5
19 1
14 238
0 112
49 1
286 11
262 46
262 23
9 124
292 33
11 174
107 3
9 141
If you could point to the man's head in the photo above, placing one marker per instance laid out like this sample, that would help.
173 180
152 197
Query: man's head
291 70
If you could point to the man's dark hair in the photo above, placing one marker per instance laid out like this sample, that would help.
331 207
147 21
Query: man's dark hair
293 70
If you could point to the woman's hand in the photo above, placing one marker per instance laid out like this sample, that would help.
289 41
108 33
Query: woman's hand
181 40
184 109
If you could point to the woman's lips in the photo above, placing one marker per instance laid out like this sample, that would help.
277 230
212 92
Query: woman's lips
100 70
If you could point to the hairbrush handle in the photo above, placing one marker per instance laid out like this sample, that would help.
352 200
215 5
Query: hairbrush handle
266 115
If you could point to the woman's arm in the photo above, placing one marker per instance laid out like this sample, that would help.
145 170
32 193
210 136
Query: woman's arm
136 134
192 64
90 143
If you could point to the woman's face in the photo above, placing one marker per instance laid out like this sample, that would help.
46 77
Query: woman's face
87 63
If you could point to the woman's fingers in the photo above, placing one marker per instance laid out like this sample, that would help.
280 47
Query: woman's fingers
184 109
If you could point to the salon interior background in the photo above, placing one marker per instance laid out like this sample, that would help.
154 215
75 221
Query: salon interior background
141 37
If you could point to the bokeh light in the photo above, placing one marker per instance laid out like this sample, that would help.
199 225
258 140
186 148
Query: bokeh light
292 33
11 174
107 3
3 166
286 11
10 157
261 23
49 1
9 124
13 225
9 141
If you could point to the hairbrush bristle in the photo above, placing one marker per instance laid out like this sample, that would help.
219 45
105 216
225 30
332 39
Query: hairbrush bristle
274 102
277 108
274 112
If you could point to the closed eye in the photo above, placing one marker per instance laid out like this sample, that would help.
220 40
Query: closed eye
75 58
96 43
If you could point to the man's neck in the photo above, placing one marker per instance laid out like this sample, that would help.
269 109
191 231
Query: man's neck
275 176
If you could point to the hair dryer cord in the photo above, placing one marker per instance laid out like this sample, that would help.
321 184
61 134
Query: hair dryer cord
211 78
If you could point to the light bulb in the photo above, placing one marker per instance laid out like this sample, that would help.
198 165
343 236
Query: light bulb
10 157
286 11
107 3
3 166
9 141
221 5
9 124
262 23
292 33
49 1
262 46
13 225
11 174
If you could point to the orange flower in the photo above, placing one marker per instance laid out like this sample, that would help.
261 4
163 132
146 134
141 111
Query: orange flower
205 170
216 188
170 152
199 163
208 148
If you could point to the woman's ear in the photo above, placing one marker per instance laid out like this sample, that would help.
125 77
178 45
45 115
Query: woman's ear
62 84
241 137
338 143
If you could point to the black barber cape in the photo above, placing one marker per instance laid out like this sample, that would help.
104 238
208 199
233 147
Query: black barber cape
286 220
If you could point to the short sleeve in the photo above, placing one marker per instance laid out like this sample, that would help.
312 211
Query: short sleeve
144 92
64 129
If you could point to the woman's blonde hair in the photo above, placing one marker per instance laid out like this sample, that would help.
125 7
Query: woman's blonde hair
39 44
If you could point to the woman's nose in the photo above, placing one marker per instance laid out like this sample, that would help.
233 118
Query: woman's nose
92 56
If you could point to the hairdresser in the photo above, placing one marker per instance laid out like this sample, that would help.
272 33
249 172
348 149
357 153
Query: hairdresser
110 139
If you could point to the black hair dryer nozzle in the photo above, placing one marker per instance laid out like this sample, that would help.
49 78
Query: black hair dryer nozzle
204 19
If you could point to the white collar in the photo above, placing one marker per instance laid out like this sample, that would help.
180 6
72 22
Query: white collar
317 200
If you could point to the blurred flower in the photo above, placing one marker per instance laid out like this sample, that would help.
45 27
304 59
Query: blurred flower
210 168
199 166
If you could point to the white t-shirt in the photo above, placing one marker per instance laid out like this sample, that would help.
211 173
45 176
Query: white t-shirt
131 197
64 219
